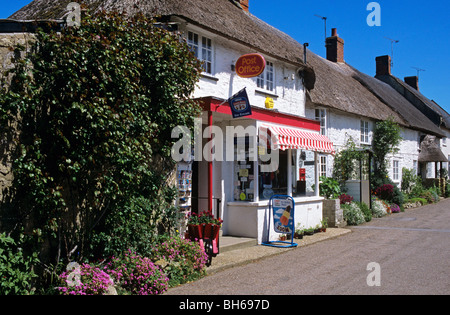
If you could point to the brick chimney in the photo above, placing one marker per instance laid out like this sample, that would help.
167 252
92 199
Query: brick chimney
335 47
383 65
244 4
413 81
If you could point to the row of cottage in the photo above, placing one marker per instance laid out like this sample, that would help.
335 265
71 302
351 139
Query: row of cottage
311 107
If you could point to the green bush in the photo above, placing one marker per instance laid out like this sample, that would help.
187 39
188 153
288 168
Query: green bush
365 210
378 208
137 275
353 214
329 188
16 268
136 226
97 104
423 201
182 260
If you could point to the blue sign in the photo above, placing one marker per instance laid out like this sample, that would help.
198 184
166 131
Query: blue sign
282 210
239 104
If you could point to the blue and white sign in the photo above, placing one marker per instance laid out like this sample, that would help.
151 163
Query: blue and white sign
239 104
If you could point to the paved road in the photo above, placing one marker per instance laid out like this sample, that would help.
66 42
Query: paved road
412 250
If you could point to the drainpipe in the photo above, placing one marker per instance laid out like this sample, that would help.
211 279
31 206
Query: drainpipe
316 170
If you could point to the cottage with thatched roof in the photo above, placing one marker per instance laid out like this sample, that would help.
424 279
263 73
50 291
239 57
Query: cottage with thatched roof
276 129
349 103
339 100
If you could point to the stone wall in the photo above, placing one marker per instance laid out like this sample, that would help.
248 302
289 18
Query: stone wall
333 212
8 53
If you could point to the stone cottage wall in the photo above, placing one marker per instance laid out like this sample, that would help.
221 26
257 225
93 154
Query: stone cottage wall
8 43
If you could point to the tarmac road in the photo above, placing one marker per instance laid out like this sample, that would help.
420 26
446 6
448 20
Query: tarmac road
411 252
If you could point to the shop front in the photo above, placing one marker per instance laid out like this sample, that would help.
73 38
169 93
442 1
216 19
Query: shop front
246 161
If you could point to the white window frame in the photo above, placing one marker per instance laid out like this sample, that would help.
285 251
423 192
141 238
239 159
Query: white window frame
266 80
364 129
323 166
203 49
416 167
321 116
396 170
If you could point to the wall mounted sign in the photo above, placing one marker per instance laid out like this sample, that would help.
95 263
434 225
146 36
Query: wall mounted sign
269 102
250 65
239 104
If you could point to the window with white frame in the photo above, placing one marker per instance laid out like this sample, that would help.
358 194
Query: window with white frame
416 167
396 171
323 166
321 116
202 48
365 132
266 79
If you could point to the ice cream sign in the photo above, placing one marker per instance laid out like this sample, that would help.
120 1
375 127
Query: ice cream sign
281 209
250 65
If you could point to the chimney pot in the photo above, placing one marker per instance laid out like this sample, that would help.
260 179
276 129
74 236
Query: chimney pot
334 32
335 47
413 82
244 5
383 64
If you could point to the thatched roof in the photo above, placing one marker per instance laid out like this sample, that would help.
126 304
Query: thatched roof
342 87
430 151
219 16
337 85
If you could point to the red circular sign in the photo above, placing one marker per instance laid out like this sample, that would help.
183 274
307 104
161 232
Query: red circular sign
250 65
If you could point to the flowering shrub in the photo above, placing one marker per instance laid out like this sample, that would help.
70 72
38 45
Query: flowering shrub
345 199
395 208
183 260
203 218
138 275
385 192
353 214
378 208
84 280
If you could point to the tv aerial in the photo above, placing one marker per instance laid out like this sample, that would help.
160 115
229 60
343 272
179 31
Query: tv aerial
325 22
418 71
393 41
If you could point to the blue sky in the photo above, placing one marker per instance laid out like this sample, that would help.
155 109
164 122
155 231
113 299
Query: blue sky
422 28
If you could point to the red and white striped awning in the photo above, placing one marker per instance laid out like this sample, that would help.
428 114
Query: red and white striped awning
289 138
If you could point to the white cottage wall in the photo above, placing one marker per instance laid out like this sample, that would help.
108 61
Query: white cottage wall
344 126
288 94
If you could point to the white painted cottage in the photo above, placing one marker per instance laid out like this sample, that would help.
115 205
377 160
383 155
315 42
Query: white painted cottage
348 103
307 110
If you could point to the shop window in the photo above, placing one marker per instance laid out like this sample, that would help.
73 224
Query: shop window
302 176
274 183
244 174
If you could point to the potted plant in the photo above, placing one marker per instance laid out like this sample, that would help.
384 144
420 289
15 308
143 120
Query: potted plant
317 229
309 231
282 237
203 225
324 225
299 232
